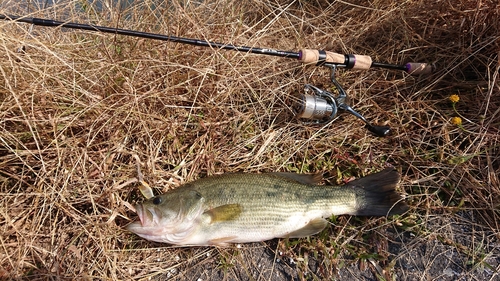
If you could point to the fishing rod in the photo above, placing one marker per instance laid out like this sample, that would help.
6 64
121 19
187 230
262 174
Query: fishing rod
318 105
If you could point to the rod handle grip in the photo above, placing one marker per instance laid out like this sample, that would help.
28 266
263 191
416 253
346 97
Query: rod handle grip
416 68
320 57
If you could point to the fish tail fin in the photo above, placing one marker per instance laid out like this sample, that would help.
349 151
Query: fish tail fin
376 194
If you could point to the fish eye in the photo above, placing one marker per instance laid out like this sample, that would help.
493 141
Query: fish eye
157 200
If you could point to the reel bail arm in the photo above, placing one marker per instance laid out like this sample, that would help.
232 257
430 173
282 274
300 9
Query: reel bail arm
323 106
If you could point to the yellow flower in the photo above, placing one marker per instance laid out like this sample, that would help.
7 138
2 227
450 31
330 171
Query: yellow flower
456 121
454 98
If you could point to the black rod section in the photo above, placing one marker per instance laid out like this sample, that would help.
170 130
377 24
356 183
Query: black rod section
195 42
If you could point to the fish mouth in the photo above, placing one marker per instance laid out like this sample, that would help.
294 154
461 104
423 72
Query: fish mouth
145 219
139 209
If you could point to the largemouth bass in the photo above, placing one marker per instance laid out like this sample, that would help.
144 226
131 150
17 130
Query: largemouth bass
240 208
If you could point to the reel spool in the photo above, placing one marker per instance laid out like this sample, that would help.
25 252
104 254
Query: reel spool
321 106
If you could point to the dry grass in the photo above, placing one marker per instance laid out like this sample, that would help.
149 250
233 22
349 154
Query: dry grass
76 107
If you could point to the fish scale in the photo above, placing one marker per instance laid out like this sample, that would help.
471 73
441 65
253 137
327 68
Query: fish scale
239 208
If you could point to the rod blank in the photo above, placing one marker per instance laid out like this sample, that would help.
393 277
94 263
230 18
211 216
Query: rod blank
318 57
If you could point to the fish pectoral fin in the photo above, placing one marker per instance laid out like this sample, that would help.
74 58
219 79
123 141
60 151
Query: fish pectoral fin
313 227
309 179
224 213
222 242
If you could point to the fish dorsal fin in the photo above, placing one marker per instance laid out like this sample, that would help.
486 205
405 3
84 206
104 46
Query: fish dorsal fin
224 213
313 227
310 179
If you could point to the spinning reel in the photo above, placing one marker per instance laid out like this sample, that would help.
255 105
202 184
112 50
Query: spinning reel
321 106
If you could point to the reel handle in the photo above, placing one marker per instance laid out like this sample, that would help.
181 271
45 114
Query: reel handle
379 131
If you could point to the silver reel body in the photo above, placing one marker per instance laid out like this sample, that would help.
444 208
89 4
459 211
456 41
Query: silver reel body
321 106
